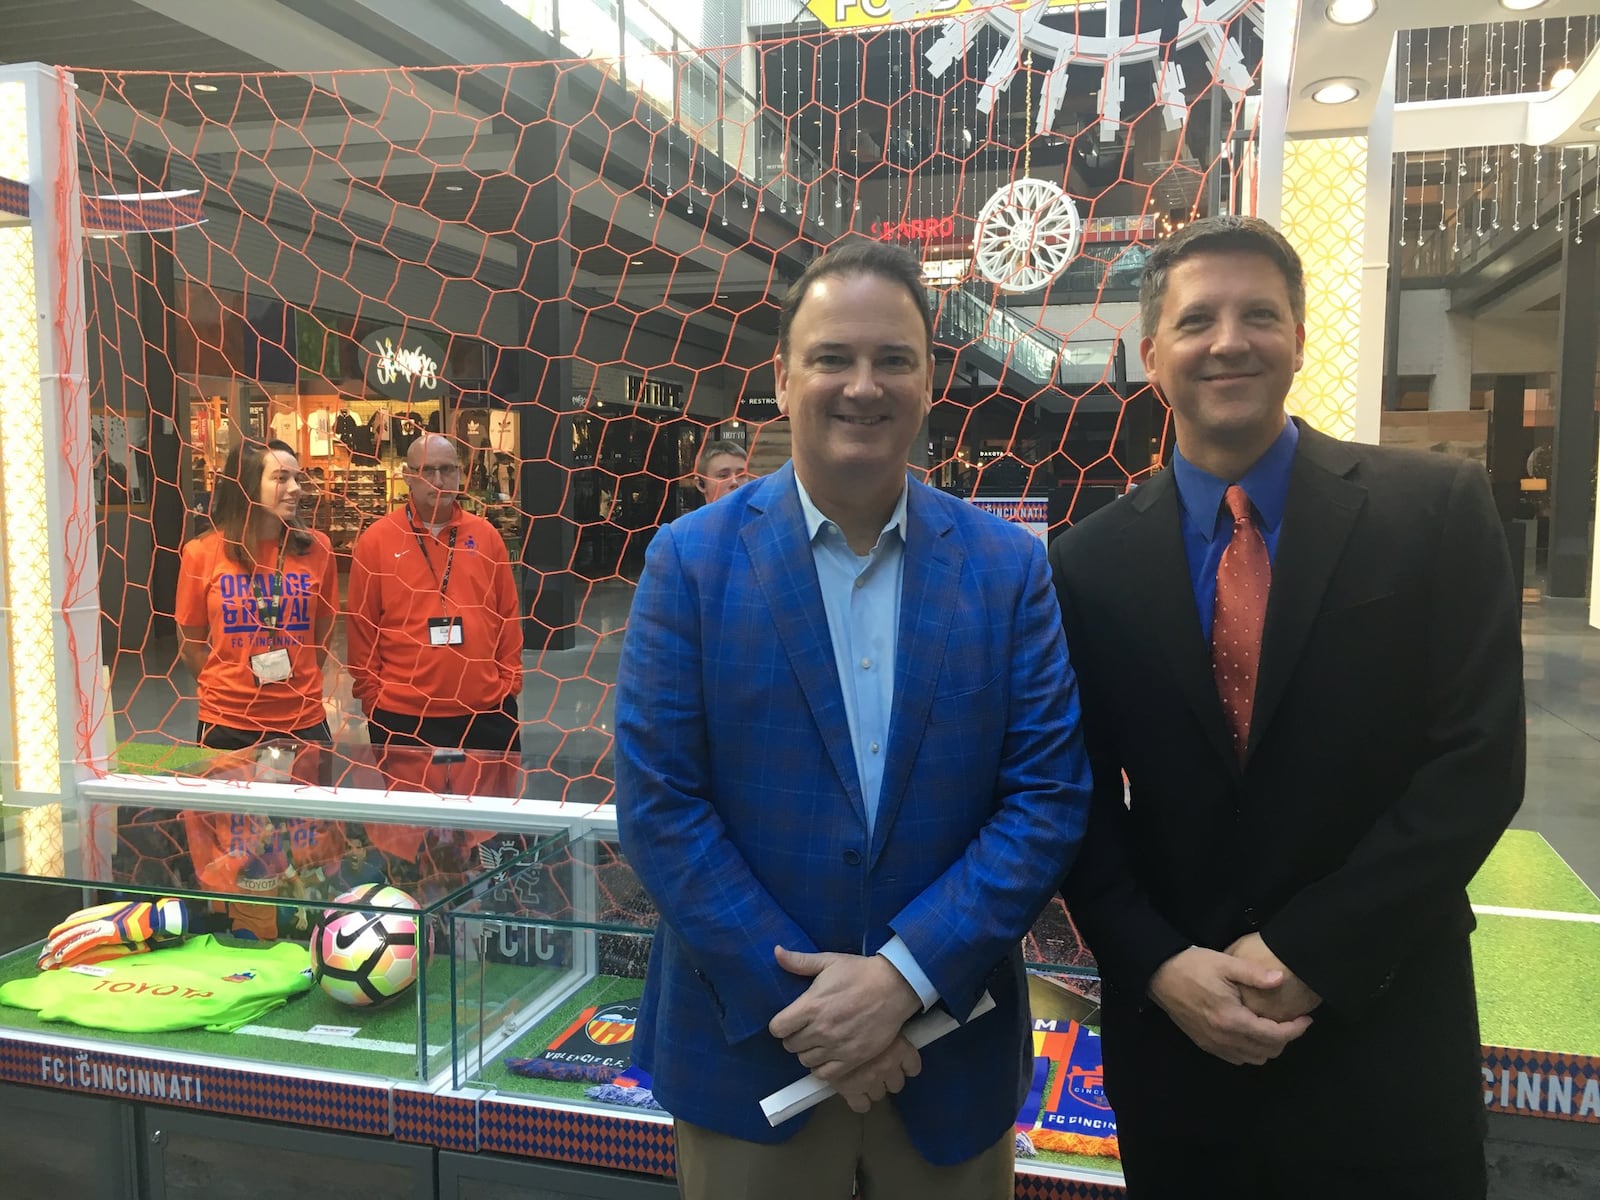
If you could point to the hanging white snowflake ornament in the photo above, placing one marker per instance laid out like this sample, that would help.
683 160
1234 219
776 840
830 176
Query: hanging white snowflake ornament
1028 232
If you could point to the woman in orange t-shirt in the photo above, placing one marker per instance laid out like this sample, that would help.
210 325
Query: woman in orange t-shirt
256 599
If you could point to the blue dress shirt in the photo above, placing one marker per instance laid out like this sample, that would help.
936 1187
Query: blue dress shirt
1207 526
861 596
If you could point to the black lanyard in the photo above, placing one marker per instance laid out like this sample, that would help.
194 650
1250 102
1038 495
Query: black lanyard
449 558
269 614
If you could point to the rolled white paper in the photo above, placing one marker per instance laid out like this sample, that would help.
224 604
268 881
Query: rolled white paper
919 1031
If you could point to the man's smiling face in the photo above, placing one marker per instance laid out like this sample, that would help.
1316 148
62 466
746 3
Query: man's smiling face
1225 351
856 382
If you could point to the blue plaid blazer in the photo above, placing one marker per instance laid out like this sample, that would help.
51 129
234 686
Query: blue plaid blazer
740 809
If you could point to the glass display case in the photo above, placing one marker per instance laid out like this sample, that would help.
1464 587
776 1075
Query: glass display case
508 1043
548 967
278 923
531 936
549 964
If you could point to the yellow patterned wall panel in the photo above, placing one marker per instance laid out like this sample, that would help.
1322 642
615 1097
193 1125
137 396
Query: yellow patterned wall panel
29 618
1324 217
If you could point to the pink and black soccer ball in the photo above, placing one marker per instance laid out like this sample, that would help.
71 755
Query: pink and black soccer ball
367 958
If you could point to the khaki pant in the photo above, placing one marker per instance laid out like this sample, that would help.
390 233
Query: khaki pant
835 1152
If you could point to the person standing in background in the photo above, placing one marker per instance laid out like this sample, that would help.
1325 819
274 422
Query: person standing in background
719 468
255 603
435 636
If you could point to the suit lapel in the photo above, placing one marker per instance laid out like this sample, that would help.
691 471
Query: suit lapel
781 561
1158 567
1319 512
929 586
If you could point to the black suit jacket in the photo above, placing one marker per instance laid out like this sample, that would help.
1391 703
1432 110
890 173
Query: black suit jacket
1385 758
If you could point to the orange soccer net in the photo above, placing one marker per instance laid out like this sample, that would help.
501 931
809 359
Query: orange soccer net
573 268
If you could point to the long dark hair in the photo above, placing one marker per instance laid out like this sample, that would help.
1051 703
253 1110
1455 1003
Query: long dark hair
235 496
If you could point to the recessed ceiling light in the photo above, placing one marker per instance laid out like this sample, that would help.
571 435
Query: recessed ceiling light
1561 78
1520 5
203 87
1333 91
1593 127
452 187
1351 12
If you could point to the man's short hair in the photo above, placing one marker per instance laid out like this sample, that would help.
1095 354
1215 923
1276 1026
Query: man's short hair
860 257
1224 234
713 448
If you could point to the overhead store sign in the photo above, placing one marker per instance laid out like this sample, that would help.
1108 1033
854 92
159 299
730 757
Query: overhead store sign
402 365
868 14
917 229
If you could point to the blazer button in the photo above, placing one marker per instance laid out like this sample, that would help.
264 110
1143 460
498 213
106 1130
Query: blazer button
1252 918
852 858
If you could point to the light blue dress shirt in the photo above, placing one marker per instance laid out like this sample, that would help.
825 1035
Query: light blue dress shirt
861 596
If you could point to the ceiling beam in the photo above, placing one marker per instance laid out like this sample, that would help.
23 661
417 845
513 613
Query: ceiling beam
299 45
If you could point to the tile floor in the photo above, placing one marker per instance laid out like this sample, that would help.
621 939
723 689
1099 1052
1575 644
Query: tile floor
1561 665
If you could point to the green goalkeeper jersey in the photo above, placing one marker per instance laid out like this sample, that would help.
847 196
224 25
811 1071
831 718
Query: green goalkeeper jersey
199 984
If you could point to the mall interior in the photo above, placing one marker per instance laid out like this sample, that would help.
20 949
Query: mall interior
558 232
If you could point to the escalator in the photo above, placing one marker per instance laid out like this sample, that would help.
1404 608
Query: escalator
1022 359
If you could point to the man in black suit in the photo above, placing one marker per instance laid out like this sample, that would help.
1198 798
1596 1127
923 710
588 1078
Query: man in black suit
1301 674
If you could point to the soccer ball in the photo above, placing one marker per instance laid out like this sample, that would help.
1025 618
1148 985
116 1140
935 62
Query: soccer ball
366 958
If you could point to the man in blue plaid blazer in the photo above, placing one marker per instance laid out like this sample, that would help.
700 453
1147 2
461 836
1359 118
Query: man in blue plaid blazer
849 774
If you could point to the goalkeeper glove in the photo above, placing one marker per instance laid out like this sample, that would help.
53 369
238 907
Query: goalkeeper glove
112 930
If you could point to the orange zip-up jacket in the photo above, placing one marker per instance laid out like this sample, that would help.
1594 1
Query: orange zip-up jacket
395 583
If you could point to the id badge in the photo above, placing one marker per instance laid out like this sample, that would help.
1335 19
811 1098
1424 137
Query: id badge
271 666
444 631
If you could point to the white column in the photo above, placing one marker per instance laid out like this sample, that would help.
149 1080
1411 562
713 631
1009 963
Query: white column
1375 261
49 586
1277 63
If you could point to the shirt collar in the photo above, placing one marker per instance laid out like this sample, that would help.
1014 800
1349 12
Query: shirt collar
418 523
815 519
1266 483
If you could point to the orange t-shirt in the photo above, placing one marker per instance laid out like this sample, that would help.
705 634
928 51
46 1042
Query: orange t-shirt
217 593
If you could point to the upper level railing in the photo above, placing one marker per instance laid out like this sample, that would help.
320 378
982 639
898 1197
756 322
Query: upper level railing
697 90
1495 194
969 317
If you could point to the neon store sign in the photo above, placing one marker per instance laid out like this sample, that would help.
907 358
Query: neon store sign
917 229
412 365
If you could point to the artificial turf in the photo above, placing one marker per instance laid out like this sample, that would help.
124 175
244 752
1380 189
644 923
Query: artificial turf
160 758
1524 871
396 1022
599 990
1537 982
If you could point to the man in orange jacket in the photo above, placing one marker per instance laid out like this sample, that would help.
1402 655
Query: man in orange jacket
435 639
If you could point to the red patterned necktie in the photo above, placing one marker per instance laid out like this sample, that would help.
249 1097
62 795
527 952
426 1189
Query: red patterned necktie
1244 576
